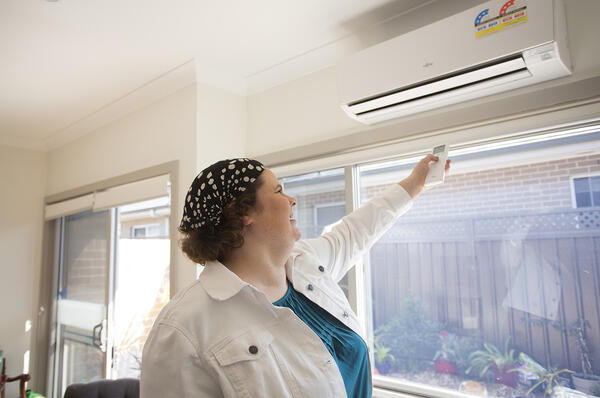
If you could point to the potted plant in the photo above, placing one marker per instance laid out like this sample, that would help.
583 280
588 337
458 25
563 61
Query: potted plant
548 379
587 380
445 358
384 361
500 363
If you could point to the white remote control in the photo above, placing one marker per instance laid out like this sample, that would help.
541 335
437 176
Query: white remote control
437 170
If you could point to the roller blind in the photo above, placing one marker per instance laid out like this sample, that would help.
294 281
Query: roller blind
146 189
70 206
150 188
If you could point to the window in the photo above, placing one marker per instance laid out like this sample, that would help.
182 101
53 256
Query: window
146 231
328 214
319 203
314 194
586 191
495 257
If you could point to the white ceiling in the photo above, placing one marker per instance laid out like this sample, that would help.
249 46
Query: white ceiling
63 63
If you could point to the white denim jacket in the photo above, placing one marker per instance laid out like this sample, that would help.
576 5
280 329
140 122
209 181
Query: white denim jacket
221 337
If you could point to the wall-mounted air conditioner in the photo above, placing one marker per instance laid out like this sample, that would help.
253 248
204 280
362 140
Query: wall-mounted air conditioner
494 47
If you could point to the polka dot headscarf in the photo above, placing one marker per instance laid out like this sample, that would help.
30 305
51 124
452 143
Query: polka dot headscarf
214 188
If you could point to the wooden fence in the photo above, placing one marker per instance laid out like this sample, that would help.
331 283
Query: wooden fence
488 277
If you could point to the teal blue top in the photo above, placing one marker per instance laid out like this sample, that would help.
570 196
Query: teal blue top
347 348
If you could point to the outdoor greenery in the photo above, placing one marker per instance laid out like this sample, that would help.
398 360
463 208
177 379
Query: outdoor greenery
577 329
412 338
548 379
412 342
483 360
383 359
449 347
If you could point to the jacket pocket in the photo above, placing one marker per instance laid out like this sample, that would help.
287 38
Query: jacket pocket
247 347
250 363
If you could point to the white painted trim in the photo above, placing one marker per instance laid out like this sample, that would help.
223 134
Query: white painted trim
391 387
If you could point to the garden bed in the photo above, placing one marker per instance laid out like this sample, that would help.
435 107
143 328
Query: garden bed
452 382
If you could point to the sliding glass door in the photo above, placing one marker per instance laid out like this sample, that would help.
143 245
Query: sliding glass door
82 296
112 272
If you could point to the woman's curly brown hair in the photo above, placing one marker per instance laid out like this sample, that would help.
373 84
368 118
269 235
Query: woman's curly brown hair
210 243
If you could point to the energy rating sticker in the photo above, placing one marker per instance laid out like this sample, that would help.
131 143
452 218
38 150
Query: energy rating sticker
511 13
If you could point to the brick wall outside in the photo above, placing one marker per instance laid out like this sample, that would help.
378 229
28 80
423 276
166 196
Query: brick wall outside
86 256
537 187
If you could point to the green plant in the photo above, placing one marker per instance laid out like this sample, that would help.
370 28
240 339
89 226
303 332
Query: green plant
449 347
547 378
411 336
383 359
482 360
465 346
596 390
577 329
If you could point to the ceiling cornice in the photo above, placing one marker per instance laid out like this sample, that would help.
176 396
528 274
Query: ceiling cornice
156 89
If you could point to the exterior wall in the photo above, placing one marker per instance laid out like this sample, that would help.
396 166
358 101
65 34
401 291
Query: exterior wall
538 187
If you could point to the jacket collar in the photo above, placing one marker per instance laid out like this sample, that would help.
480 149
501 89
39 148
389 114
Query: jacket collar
222 284
219 282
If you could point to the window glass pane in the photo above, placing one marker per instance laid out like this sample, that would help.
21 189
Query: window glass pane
495 256
319 202
595 185
327 215
583 196
581 185
142 278
81 299
583 199
312 191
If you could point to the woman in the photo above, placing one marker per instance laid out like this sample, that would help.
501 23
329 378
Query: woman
266 317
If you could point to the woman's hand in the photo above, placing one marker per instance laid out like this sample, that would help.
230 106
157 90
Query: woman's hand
414 183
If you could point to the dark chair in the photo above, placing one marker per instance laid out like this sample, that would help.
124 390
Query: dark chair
119 388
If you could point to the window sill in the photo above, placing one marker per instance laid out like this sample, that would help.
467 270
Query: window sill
387 387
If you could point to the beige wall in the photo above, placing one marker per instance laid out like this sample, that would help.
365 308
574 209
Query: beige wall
221 129
197 126
23 177
164 131
307 111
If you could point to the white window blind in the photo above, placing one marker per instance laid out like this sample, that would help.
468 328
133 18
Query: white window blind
129 193
138 191
70 206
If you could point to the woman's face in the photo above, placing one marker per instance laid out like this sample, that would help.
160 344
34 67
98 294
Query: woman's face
273 215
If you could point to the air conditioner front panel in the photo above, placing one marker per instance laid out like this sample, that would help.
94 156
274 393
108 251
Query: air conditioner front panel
441 48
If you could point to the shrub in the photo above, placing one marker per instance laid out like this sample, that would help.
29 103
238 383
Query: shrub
411 336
